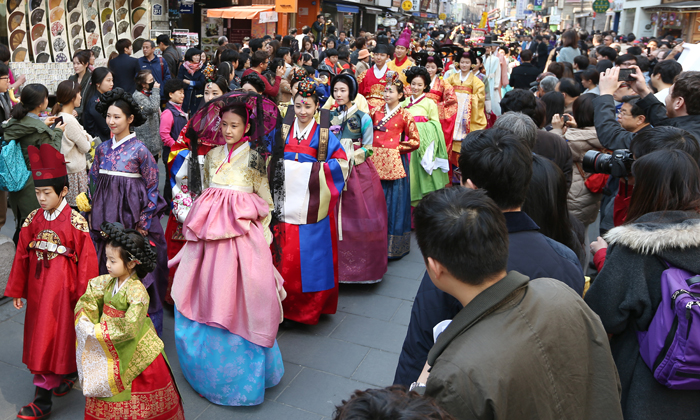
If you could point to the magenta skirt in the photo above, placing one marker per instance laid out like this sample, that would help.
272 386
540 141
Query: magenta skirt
225 277
362 251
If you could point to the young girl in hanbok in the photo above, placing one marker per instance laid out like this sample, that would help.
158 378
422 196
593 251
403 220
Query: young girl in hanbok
362 247
395 137
124 189
227 291
441 93
122 365
429 163
315 166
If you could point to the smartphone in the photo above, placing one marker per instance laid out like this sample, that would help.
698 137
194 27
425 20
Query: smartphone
57 121
626 75
566 119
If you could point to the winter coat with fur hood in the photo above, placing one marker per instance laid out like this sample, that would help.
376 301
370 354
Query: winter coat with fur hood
582 202
627 293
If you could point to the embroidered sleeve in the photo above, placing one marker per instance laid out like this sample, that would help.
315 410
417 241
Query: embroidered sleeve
91 302
478 97
149 171
449 100
412 139
262 188
95 170
182 197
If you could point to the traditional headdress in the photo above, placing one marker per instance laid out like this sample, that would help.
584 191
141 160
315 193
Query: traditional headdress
424 57
416 71
404 39
306 89
145 257
209 72
110 97
48 165
349 80
381 49
393 78
298 74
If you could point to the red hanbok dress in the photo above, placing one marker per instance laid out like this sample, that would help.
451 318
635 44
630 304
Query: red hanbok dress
372 84
443 94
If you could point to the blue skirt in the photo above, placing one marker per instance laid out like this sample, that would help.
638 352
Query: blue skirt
398 204
224 368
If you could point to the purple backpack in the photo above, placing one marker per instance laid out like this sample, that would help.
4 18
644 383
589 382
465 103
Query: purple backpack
671 347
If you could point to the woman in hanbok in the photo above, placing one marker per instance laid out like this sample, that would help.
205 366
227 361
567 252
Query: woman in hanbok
441 93
227 291
429 164
315 167
121 361
395 137
470 100
178 166
124 189
362 245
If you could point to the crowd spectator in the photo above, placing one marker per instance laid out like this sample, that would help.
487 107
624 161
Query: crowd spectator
258 64
81 61
159 68
190 72
101 81
124 67
570 50
568 88
171 55
662 78
389 404
147 96
523 75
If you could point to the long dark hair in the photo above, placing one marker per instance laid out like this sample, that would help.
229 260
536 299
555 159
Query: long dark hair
33 96
583 110
664 180
546 202
97 77
554 102
66 92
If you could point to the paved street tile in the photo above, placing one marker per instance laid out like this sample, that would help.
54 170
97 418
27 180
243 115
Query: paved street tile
16 386
408 269
398 287
319 392
378 368
322 353
193 404
364 301
8 310
11 343
403 314
371 333
291 371
268 411
326 325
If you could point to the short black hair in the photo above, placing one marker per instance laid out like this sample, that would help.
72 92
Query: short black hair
582 62
499 162
255 44
258 58
604 65
526 55
635 51
172 86
331 52
632 100
163 39
122 45
282 52
592 75
569 86
643 63
608 53
229 55
624 57
583 110
668 69
664 137
4 70
463 230
190 53
519 100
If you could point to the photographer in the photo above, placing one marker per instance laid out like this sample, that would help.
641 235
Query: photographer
663 225
647 141
682 108
580 134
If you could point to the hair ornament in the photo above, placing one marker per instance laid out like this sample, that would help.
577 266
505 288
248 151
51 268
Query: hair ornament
209 72
306 89
392 76
298 74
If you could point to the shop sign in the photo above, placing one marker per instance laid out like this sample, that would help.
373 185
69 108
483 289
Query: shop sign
442 16
186 9
618 5
303 11
390 22
285 6
538 5
601 6
268 17
157 10
407 5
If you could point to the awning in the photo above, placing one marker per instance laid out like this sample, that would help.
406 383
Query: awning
374 10
347 9
683 7
505 19
238 12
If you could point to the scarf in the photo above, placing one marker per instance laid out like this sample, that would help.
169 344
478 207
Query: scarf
192 67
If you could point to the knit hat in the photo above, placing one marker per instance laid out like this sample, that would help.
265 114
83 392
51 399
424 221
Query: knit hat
405 39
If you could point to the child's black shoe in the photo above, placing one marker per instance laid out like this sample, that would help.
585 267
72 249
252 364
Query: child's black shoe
40 408
67 384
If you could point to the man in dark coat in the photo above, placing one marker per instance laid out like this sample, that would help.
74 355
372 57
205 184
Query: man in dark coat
525 73
682 107
169 53
124 67
542 52
513 333
500 163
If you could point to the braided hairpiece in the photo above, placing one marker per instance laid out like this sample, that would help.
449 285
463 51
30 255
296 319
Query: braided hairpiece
108 99
145 256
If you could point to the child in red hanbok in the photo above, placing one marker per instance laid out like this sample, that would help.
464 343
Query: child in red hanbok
55 259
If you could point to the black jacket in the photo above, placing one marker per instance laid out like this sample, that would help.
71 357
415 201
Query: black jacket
172 56
94 122
530 253
542 54
610 133
523 75
124 69
656 115
626 294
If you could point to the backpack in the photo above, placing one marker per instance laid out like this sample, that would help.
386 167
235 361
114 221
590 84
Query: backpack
671 346
13 169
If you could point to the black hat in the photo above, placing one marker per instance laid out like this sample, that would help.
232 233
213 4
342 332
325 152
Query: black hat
381 49
489 42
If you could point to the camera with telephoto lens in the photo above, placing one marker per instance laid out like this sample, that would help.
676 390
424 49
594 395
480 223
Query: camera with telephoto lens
617 164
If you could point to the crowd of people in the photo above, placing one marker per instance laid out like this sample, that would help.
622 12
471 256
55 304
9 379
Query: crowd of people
296 163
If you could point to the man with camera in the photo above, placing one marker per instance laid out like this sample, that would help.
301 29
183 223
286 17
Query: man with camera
682 107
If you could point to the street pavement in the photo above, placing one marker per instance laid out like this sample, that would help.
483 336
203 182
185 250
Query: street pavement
356 348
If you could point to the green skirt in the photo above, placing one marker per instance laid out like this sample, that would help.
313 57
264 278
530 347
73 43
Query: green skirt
433 154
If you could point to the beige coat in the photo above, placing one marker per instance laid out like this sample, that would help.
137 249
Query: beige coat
582 202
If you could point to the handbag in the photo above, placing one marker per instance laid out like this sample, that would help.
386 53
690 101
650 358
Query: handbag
13 170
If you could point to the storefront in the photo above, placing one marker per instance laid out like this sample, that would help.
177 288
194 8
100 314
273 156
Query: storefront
251 21
679 20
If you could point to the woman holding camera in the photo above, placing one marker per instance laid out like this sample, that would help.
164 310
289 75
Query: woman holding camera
662 226
579 132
